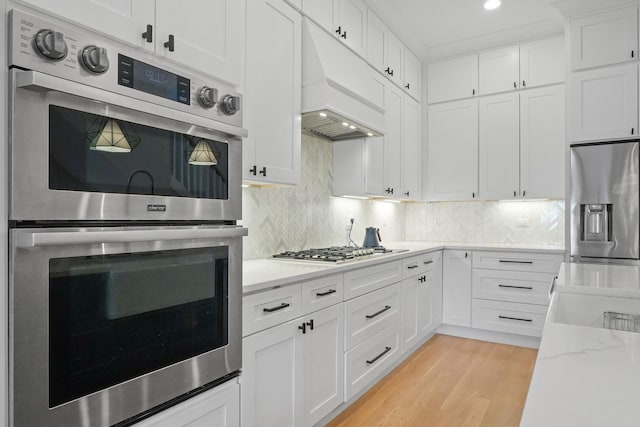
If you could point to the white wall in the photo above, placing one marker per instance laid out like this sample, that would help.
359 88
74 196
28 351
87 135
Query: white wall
3 221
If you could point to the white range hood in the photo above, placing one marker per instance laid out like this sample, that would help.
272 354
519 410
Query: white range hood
342 96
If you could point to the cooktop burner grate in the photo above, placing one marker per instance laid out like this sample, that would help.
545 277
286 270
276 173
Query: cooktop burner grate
332 254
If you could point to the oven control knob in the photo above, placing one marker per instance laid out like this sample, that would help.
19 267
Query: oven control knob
51 44
230 104
95 59
208 96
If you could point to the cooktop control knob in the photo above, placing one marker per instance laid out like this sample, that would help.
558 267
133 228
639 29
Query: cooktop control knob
230 104
95 59
208 96
51 44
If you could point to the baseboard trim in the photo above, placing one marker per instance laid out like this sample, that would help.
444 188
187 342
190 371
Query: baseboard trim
491 336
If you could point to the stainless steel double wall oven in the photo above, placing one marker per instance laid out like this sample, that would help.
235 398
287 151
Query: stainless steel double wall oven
126 260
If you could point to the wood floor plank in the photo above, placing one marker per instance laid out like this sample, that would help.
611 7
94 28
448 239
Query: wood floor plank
448 382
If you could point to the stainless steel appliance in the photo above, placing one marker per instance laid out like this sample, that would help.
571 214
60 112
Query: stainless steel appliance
125 260
605 202
100 131
336 254
108 323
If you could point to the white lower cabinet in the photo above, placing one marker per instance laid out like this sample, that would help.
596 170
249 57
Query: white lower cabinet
293 373
456 288
219 407
509 317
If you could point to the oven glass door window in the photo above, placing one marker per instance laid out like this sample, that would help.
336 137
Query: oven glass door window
116 317
91 153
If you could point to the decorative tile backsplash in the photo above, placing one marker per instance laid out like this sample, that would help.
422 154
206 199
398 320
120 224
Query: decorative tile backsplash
293 218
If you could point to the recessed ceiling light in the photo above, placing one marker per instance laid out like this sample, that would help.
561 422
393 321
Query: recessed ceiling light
369 134
345 124
492 4
352 127
323 114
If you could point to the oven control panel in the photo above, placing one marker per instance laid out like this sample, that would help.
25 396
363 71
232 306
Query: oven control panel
41 43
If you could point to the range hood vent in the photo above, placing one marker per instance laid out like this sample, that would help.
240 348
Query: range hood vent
328 125
342 96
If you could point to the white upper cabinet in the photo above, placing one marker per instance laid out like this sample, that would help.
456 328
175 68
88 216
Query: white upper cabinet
453 151
272 151
207 35
125 20
412 73
453 79
606 38
411 150
376 41
394 100
604 103
542 142
345 19
394 53
352 20
542 62
499 147
499 70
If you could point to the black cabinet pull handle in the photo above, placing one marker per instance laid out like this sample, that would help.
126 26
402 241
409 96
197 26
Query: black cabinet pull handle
148 35
254 170
388 70
310 324
510 261
515 193
466 254
339 30
524 193
407 194
344 35
263 172
170 44
392 188
633 130
280 307
375 359
408 86
473 91
422 279
515 318
412 266
428 262
303 328
524 84
378 313
515 85
529 288
473 195
324 294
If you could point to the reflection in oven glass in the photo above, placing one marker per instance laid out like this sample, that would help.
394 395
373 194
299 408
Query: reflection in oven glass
116 317
92 153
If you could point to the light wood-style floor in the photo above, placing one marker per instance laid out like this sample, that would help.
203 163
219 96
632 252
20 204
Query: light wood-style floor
448 382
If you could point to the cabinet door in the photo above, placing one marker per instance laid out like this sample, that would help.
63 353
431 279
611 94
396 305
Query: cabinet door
374 167
456 288
605 38
412 70
394 101
376 41
273 73
542 62
272 377
411 307
394 51
542 143
322 12
604 103
434 279
351 15
453 79
411 150
209 40
125 20
323 363
499 147
453 151
499 70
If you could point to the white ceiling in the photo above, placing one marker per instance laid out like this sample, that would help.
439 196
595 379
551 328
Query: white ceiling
441 28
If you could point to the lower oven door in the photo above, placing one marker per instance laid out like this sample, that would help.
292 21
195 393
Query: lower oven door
109 323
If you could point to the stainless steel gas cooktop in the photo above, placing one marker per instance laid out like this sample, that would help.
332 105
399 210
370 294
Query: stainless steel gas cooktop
335 254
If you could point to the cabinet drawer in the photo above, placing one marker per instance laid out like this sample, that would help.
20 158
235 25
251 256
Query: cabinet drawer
420 264
510 317
369 279
517 261
369 314
322 293
266 309
365 362
513 286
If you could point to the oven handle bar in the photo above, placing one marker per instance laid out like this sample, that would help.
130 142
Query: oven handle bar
39 82
68 238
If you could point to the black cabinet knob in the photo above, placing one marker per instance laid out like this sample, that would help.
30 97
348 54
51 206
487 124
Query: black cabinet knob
170 44
408 86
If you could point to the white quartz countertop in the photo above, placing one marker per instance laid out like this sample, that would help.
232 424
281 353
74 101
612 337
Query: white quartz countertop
267 273
599 279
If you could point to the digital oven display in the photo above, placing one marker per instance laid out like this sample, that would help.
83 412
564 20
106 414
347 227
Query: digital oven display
153 80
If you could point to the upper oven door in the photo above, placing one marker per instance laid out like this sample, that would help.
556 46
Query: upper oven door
79 153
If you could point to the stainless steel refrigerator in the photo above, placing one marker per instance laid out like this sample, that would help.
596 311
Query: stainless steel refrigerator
605 194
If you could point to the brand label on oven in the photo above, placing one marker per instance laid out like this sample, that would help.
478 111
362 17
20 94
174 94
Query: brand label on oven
156 208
